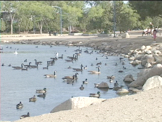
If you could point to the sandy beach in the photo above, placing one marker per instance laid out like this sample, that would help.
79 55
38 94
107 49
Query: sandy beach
144 106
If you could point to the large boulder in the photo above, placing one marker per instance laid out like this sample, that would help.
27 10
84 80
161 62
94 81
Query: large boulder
145 74
102 85
147 59
129 78
152 82
77 102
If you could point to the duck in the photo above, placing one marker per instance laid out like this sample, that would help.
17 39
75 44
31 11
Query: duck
18 67
41 90
111 77
42 95
15 52
81 87
99 63
95 72
51 75
24 116
85 82
19 105
97 95
2 64
32 99
116 88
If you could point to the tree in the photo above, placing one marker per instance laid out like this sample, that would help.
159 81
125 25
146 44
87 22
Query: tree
126 17
2 25
10 8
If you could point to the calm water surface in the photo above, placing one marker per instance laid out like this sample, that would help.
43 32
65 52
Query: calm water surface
18 85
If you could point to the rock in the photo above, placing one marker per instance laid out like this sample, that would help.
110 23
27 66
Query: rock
152 82
76 102
128 78
145 74
147 59
102 85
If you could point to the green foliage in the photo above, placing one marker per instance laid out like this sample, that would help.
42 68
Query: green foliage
2 25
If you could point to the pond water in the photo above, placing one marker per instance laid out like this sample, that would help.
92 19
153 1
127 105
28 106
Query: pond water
20 85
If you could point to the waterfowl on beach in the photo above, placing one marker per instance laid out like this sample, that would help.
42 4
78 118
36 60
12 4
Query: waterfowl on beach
41 90
97 95
24 116
51 75
32 99
95 72
81 87
19 105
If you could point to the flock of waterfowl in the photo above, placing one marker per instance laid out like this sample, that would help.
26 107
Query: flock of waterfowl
69 79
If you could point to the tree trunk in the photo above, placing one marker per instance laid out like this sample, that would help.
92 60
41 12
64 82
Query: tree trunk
41 25
11 24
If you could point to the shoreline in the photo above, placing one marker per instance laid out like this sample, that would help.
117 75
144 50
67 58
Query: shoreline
124 108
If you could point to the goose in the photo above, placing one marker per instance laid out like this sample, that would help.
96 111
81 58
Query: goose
26 68
46 67
19 105
28 65
32 99
75 77
37 62
70 81
81 87
42 95
78 69
25 60
33 66
95 72
85 82
69 60
71 57
95 94
61 57
99 63
24 116
18 67
41 90
50 75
